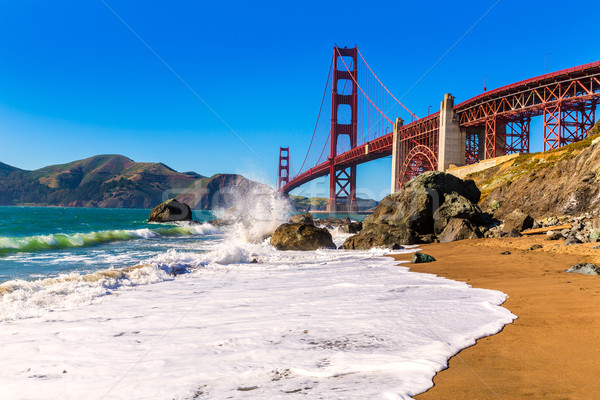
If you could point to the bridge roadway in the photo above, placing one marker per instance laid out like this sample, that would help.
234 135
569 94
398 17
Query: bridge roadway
528 96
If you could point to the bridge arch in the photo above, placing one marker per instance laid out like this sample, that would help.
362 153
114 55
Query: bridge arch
418 160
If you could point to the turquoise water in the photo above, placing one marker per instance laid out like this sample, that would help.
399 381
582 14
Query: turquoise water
39 242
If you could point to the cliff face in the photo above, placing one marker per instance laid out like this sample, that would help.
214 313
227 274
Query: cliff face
565 181
114 181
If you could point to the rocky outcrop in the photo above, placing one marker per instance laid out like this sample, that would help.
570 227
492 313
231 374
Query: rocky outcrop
170 210
420 211
564 181
301 237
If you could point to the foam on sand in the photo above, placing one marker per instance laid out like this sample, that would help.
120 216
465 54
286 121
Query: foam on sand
328 324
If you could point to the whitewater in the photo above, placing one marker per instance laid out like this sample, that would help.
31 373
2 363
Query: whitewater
130 310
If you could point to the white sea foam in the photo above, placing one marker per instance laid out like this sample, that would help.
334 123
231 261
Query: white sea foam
327 324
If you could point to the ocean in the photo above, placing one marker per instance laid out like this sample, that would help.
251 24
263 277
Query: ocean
100 304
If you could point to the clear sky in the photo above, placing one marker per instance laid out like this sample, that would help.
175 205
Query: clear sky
76 79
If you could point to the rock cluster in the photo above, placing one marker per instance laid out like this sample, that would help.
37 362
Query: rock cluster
433 206
345 225
301 237
170 210
584 228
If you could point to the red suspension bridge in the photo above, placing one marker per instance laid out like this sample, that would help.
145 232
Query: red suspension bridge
367 122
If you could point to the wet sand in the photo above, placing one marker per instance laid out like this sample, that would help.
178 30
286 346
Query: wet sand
552 350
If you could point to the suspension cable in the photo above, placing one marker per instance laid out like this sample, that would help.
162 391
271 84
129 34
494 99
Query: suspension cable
381 83
357 85
318 116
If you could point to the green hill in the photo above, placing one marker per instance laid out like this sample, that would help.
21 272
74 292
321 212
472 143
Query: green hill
116 181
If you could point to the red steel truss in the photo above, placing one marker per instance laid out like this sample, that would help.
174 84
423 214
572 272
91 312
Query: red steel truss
472 151
419 147
283 170
566 99
342 181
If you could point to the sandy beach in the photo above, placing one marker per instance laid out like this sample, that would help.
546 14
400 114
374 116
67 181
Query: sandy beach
550 351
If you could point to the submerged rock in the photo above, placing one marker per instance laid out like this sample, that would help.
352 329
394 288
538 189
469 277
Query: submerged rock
170 210
419 258
585 269
301 237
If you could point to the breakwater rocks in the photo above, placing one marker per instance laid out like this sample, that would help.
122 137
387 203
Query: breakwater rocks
434 206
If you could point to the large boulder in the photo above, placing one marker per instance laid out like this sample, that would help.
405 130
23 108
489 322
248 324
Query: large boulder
458 229
301 237
170 210
517 220
418 211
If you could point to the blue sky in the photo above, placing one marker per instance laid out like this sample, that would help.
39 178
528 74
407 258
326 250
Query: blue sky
75 81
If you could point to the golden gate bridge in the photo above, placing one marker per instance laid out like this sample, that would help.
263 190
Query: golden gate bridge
368 122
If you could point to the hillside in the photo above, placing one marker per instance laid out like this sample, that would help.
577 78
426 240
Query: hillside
116 181
559 182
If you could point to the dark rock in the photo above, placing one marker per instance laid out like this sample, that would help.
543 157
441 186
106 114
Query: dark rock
554 236
455 206
458 229
513 233
301 237
505 253
518 221
306 219
397 247
351 227
427 238
170 210
536 246
419 258
596 247
355 227
585 269
572 240
381 236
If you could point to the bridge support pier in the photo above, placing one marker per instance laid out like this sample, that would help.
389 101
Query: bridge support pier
396 161
452 139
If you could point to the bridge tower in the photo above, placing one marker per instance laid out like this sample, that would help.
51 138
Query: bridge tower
283 170
342 180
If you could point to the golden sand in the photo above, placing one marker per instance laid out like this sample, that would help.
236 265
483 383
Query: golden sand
551 351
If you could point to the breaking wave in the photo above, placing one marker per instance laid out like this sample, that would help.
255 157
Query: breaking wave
62 241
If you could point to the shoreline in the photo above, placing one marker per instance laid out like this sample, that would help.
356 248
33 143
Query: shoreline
550 351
